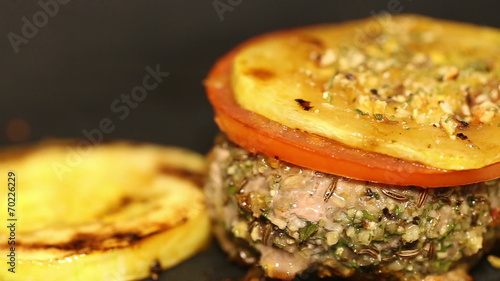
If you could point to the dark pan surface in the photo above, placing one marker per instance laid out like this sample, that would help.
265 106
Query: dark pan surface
70 74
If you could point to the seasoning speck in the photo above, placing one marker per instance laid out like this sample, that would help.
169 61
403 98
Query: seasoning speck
360 112
462 136
462 124
350 76
306 105
379 117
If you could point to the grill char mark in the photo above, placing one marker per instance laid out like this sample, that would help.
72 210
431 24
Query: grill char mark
84 243
185 174
92 242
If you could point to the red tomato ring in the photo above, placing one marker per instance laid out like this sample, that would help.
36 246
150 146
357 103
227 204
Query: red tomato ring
259 134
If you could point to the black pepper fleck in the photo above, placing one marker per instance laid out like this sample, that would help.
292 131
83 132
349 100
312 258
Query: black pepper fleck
306 105
369 192
350 76
463 125
462 136
388 214
416 220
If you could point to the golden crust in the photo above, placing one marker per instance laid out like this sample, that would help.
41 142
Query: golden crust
117 211
410 87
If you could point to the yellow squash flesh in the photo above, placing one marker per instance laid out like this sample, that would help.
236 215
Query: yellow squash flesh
411 87
119 211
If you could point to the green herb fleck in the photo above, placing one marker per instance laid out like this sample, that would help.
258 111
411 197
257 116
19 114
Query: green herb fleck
352 264
329 87
442 265
279 245
368 216
232 188
342 242
444 246
330 98
358 111
447 238
410 99
387 236
448 119
358 225
307 231
440 204
398 211
379 116
451 227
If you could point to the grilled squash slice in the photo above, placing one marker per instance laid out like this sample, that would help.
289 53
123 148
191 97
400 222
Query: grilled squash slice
408 86
118 211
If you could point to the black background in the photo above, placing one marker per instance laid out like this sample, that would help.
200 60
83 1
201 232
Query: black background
64 79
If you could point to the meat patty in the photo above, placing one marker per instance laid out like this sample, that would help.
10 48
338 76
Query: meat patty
290 220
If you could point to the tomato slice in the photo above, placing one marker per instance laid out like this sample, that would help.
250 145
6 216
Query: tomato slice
259 134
